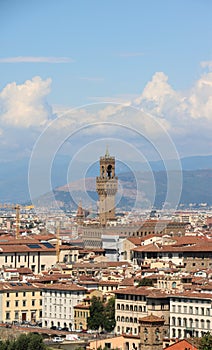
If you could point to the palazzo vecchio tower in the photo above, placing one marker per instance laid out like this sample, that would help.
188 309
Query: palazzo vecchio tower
106 187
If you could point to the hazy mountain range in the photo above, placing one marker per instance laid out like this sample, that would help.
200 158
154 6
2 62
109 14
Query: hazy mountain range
197 182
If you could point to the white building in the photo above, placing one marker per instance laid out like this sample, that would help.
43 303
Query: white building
190 314
58 304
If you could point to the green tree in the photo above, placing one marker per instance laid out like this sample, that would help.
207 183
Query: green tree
206 342
145 282
96 319
109 313
102 315
35 342
24 342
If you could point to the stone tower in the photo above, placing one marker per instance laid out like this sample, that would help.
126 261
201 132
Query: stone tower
151 332
106 187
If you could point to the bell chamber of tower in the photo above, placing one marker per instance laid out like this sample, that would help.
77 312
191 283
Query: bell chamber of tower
106 187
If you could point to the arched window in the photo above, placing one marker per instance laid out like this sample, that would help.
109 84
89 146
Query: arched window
174 285
185 322
202 323
127 319
131 320
118 318
135 308
118 306
135 320
122 306
179 321
140 308
131 307
196 323
208 324
145 334
122 319
127 307
173 321
157 334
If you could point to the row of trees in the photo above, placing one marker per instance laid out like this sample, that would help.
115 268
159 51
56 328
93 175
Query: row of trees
24 342
102 315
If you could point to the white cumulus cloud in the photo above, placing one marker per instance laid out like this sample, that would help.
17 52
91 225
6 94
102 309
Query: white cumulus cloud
25 105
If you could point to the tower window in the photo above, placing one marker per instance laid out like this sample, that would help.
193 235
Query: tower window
109 171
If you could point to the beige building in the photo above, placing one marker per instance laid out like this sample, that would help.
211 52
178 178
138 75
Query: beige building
34 254
135 302
20 302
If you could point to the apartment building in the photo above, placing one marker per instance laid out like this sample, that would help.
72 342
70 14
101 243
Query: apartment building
20 302
134 303
58 304
34 254
130 305
191 255
190 314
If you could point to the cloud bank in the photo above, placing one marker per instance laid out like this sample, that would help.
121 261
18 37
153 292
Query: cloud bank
185 115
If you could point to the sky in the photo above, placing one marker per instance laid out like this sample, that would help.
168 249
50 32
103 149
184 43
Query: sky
67 64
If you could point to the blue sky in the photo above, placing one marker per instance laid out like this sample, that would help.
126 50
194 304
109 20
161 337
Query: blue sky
155 55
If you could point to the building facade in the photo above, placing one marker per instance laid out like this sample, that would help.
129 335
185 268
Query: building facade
58 304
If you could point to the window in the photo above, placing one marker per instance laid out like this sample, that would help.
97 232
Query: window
33 294
33 302
16 294
24 302
7 315
16 303
24 294
7 304
16 315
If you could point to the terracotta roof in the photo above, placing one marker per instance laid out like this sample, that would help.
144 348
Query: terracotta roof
133 291
64 287
127 282
108 283
152 318
18 286
135 240
181 345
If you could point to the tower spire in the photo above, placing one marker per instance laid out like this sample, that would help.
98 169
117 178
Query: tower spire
107 154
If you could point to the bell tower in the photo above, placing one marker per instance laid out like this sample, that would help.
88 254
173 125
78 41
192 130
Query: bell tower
106 187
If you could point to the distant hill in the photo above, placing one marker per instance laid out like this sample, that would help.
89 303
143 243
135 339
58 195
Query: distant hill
196 189
196 186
